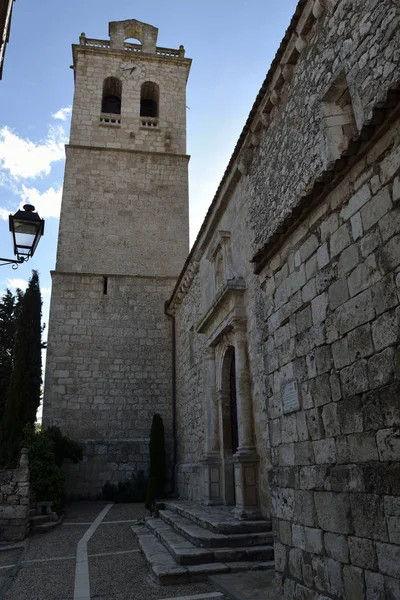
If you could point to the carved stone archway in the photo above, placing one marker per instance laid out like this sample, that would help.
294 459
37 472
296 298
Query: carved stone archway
230 477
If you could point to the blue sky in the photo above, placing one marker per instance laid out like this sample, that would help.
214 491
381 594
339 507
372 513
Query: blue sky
232 44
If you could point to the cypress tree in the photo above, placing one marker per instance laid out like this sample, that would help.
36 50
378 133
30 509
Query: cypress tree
158 466
10 306
23 397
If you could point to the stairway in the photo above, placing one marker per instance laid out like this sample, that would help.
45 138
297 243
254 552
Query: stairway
41 518
188 542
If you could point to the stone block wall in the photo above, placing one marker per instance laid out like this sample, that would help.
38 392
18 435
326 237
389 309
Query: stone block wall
123 213
333 301
104 380
14 502
190 399
323 309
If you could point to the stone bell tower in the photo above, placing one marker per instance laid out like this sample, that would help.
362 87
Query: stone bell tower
123 240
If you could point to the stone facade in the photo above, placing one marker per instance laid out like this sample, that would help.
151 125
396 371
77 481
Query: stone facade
14 501
123 239
295 274
284 399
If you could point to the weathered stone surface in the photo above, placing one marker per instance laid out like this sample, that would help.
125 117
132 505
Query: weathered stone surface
354 379
337 547
362 447
389 559
385 330
304 510
333 512
375 585
355 312
362 553
369 516
308 539
353 580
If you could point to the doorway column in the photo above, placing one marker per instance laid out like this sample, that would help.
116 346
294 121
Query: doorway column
245 459
212 459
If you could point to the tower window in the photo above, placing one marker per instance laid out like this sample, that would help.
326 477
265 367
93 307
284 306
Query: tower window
112 91
149 98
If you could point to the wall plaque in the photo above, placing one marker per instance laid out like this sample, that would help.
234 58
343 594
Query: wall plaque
291 397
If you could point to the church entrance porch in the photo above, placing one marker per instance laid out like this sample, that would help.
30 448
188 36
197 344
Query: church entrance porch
193 541
230 461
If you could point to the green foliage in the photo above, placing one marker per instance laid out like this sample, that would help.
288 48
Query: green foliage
133 490
10 307
63 446
23 397
151 495
47 451
158 463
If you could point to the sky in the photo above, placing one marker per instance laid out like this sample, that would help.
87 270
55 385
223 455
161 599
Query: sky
232 44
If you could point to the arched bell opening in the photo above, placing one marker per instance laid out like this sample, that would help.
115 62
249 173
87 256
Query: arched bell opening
112 93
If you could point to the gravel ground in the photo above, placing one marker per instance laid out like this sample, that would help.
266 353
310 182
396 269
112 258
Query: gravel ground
117 570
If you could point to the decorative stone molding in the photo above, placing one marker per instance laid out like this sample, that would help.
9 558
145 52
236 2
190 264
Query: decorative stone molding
227 308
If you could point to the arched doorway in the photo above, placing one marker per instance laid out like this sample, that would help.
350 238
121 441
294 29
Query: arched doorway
229 425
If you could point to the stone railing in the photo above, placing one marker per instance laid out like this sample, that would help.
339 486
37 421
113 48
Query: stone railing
14 501
170 52
149 122
84 41
133 47
110 119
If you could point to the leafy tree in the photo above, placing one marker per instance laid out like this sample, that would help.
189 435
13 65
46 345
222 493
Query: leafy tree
158 465
23 397
10 307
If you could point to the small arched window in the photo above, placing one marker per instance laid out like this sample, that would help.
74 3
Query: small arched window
149 98
112 91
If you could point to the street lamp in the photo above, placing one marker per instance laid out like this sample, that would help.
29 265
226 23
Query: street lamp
26 229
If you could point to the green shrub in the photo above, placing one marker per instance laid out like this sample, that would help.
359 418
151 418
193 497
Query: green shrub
47 451
158 463
132 490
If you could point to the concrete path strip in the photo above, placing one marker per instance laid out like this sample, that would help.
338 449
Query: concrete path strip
82 584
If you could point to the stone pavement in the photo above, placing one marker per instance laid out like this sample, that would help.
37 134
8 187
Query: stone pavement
91 556
247 586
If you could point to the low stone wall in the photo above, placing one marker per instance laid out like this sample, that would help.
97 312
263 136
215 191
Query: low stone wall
14 501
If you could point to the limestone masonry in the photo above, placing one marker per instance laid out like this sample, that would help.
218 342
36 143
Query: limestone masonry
123 240
284 394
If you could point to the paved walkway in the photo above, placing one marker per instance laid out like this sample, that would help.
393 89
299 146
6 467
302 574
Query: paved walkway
93 555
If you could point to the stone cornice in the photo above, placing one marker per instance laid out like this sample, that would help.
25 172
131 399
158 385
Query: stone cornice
327 180
124 55
131 151
227 308
86 274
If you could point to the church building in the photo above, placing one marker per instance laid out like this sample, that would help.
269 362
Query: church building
271 350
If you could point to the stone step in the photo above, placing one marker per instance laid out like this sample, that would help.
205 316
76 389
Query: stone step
166 571
38 520
183 551
204 538
46 527
217 518
186 553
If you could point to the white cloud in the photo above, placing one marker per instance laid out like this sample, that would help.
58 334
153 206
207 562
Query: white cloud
4 213
47 203
45 290
23 158
63 114
22 284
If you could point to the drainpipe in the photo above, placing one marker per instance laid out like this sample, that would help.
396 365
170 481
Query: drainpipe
173 365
